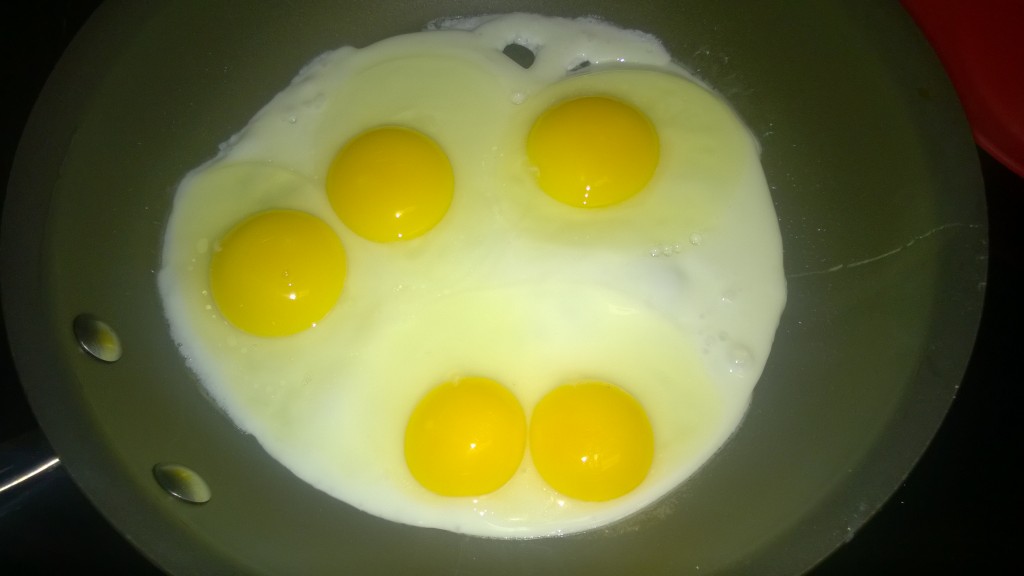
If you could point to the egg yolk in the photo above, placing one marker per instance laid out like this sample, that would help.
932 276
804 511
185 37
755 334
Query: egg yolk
390 183
593 151
465 438
277 272
591 441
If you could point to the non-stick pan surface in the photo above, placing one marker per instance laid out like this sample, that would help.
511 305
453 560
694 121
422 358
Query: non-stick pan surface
875 184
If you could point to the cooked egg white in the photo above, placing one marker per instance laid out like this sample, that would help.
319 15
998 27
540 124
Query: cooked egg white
672 294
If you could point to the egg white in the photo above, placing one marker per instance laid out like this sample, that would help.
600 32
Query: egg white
673 295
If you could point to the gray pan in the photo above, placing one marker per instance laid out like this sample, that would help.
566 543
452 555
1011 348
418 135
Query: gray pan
875 182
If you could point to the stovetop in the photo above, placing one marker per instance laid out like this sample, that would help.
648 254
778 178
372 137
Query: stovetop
956 513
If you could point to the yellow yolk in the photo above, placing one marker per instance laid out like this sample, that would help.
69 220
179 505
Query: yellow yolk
465 438
277 272
390 184
593 151
591 441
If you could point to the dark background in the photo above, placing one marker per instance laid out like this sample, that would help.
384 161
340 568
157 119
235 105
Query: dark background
958 512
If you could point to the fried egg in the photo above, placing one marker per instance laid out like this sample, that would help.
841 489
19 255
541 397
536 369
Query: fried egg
460 293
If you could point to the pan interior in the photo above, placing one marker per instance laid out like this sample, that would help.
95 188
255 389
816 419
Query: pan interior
875 182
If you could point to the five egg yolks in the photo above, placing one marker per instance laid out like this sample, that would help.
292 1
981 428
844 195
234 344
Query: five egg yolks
593 151
465 438
591 441
277 272
390 183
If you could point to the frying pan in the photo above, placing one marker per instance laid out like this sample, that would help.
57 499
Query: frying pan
876 186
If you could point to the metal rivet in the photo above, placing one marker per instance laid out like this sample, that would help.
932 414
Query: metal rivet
520 54
182 482
97 338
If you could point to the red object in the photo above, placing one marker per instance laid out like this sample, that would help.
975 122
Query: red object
981 45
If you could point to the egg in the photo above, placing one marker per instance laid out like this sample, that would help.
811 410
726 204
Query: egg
460 293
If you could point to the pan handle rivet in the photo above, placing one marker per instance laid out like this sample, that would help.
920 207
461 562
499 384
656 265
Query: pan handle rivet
182 482
97 338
